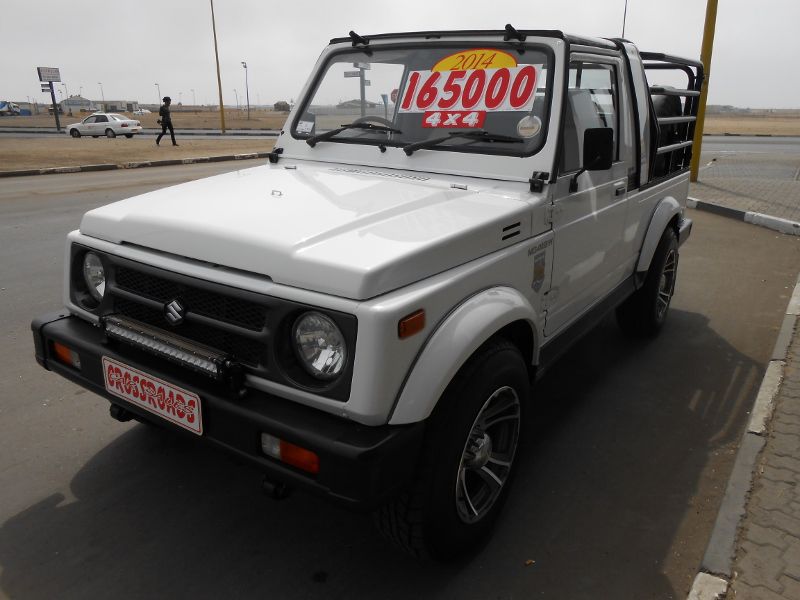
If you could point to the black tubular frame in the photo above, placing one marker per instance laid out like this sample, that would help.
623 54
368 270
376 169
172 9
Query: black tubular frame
679 151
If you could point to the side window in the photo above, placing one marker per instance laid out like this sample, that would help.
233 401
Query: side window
102 119
592 101
88 120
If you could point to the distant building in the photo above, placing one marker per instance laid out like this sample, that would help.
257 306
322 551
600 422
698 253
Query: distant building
119 105
77 104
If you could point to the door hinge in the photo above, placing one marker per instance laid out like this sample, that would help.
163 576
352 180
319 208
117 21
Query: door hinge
549 298
551 213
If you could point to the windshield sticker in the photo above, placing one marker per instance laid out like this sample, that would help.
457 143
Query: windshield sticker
305 126
479 58
461 98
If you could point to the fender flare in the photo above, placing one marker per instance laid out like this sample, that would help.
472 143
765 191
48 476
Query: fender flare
457 337
666 210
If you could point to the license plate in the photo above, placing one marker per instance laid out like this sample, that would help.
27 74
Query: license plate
168 401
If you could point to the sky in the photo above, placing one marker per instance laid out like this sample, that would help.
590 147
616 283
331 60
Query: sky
128 47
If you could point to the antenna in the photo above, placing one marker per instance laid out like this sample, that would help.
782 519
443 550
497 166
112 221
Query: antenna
624 18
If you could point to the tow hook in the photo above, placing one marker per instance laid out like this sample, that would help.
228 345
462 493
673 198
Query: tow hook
275 489
119 413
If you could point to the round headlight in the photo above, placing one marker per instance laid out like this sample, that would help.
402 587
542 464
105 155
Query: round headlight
94 275
320 345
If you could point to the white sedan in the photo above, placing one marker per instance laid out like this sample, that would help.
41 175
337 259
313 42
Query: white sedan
107 124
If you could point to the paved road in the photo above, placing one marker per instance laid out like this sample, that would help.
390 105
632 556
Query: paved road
618 493
749 144
42 132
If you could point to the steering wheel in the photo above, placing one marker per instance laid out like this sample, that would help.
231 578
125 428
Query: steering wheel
381 120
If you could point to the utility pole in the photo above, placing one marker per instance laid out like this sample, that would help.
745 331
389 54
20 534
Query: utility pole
158 90
705 57
102 95
247 89
219 78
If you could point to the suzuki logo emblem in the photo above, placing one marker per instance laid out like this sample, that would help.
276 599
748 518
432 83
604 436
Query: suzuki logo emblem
174 312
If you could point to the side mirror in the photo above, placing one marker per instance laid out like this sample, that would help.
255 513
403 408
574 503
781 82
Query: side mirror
598 153
598 148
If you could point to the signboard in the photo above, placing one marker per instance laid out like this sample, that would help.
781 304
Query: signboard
364 66
45 87
48 74
352 73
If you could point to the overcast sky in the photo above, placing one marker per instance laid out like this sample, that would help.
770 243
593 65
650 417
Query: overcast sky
130 46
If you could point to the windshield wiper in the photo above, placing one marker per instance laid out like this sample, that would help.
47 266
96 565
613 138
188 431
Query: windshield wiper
312 141
476 134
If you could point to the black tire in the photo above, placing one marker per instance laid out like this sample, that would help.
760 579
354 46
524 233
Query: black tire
95 136
129 135
75 133
110 133
644 313
451 507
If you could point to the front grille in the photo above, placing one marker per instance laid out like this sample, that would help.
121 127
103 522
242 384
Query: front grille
244 350
213 305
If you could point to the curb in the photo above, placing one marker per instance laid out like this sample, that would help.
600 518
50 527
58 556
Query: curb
716 569
760 219
134 165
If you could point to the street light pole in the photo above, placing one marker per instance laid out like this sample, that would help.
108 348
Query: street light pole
66 93
102 95
158 89
219 78
705 57
235 93
247 89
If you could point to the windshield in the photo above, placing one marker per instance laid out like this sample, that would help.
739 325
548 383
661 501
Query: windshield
411 94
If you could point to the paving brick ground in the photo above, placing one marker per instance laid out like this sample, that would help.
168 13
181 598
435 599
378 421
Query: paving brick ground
764 183
767 564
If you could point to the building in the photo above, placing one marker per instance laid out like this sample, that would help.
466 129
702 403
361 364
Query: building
119 105
77 104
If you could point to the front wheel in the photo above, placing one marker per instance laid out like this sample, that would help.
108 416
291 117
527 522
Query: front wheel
644 313
468 461
110 133
75 133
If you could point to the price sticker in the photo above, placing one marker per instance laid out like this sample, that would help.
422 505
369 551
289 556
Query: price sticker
461 88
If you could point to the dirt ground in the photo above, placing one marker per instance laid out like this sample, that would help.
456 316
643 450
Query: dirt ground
752 125
234 119
16 153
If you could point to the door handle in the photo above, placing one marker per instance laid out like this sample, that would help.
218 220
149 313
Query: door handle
620 189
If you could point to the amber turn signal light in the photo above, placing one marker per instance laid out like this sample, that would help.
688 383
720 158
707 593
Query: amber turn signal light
411 324
289 453
66 355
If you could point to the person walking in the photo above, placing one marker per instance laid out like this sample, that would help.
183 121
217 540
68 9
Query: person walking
165 121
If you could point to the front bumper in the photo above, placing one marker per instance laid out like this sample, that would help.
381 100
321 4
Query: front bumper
360 466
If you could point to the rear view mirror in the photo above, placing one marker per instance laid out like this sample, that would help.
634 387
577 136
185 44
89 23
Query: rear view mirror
598 153
598 148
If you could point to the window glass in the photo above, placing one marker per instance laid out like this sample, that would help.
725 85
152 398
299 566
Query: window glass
102 119
88 120
429 92
591 102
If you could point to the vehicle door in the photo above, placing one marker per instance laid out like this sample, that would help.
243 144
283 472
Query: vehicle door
87 126
589 221
101 125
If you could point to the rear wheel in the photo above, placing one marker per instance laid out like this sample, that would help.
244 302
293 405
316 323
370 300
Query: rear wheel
110 133
75 133
468 461
644 313
129 135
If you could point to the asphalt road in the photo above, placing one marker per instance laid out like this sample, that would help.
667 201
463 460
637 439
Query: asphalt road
714 145
616 498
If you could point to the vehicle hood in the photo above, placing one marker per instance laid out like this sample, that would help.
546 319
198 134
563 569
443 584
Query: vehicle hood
348 232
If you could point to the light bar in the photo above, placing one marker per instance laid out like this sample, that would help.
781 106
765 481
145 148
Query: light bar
172 347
